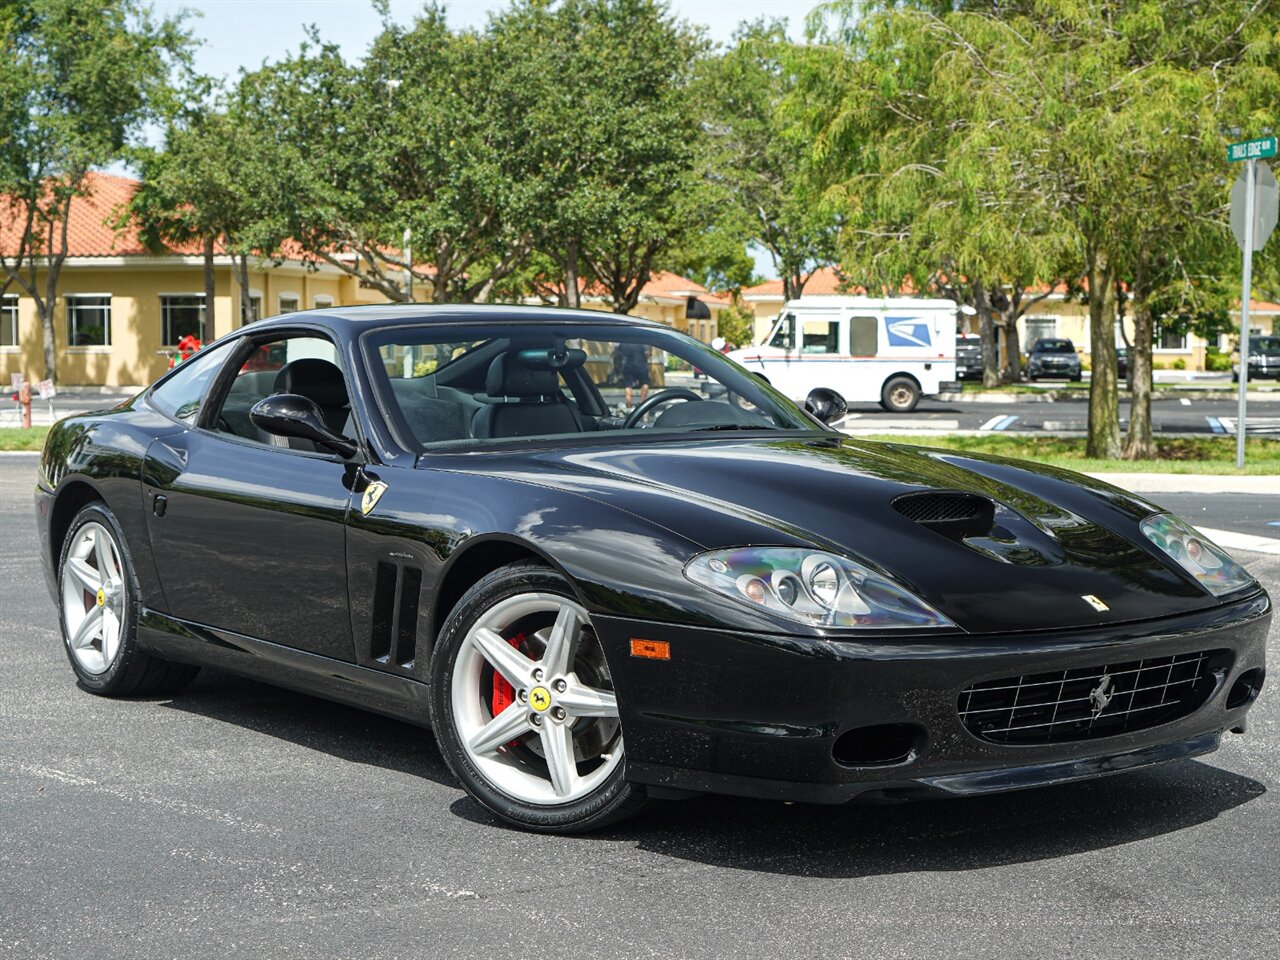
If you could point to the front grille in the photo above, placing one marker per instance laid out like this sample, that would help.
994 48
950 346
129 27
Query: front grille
1087 702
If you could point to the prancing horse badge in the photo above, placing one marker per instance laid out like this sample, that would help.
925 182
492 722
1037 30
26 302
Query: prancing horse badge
372 494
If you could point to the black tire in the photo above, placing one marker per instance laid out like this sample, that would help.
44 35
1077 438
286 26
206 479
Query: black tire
614 800
900 395
1077 378
133 672
1235 377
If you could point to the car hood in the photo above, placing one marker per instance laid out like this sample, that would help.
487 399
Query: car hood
1056 537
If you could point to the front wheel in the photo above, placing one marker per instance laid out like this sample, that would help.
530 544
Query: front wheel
523 705
900 395
98 602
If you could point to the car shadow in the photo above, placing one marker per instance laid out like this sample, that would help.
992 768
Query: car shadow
861 840
849 841
348 733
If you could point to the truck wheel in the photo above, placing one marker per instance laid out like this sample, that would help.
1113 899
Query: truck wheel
900 395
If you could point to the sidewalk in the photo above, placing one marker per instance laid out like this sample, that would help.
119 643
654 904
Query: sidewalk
1192 483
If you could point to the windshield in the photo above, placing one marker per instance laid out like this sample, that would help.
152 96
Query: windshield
1054 346
454 385
1268 346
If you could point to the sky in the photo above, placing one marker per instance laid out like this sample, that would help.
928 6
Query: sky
246 33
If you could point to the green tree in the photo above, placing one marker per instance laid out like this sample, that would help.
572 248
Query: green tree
202 187
77 83
599 124
759 154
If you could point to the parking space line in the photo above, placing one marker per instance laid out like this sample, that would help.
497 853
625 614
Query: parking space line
1216 425
1002 422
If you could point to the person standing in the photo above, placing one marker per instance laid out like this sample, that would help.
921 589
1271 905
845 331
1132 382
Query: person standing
631 360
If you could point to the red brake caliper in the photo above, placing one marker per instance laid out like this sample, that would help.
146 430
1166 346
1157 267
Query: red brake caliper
503 693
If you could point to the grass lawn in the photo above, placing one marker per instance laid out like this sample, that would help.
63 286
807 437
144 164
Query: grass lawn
16 438
1177 454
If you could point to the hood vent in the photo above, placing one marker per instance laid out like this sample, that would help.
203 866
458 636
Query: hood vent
954 515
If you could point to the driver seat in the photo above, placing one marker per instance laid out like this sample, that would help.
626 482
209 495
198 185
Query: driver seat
525 401
320 381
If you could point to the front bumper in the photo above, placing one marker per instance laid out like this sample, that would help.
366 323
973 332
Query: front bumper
760 715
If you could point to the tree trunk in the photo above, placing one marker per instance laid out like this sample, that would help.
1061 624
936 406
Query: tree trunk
246 298
44 307
1104 400
987 332
210 291
1014 346
572 295
1139 444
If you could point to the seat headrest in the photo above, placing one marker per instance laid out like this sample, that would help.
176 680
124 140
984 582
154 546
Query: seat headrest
530 373
317 380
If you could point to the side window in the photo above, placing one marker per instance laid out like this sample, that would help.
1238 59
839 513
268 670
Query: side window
821 336
306 365
784 337
183 394
863 334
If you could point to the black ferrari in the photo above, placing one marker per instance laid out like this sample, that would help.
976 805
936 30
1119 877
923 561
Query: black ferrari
454 516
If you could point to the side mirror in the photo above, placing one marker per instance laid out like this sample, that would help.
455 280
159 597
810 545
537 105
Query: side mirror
291 415
827 405
762 377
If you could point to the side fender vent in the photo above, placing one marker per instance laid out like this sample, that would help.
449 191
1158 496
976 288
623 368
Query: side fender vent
953 514
397 593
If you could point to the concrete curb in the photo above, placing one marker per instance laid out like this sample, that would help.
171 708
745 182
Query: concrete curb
1082 396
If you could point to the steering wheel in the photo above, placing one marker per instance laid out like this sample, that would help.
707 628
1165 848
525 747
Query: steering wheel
661 397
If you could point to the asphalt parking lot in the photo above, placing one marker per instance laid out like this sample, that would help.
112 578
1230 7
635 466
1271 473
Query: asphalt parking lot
239 820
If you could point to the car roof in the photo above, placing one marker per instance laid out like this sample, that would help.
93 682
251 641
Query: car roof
356 320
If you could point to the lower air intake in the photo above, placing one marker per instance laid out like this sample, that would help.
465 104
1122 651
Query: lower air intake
1088 702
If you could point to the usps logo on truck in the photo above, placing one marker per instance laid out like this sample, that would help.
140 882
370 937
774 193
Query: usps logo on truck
907 332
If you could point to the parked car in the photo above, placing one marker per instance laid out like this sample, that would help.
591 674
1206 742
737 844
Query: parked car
968 356
1053 358
1122 362
439 514
1264 359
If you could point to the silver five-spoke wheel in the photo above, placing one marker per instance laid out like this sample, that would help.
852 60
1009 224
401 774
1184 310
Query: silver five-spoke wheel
93 598
532 700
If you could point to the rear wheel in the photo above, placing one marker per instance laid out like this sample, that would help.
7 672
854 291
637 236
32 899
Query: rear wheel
523 705
900 395
98 605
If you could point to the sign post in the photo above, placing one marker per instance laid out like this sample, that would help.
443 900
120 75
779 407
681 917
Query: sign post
1251 222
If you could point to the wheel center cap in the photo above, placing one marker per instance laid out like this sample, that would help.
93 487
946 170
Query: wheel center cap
540 698
102 597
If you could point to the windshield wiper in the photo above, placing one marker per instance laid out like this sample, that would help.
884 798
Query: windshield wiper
730 426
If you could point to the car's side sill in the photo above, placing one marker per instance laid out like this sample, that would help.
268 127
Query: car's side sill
348 683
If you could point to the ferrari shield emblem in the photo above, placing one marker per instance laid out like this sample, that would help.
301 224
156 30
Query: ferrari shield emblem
1088 598
372 494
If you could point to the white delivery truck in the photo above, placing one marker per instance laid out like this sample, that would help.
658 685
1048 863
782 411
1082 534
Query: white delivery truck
890 351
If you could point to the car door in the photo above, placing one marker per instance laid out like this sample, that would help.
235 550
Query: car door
248 533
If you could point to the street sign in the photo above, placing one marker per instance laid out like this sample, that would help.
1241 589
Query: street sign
1251 149
15 381
46 388
1266 204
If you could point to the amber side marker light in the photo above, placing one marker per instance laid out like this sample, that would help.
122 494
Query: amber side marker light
650 649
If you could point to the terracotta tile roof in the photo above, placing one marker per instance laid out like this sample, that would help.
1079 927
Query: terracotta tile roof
89 233
1261 306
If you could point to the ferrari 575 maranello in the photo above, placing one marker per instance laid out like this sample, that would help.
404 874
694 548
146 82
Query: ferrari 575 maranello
451 516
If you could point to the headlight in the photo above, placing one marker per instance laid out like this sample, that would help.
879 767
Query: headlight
1205 561
812 587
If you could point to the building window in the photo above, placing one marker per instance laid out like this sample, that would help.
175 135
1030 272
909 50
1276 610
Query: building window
9 320
288 303
182 315
1037 328
323 302
89 320
1168 340
255 307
